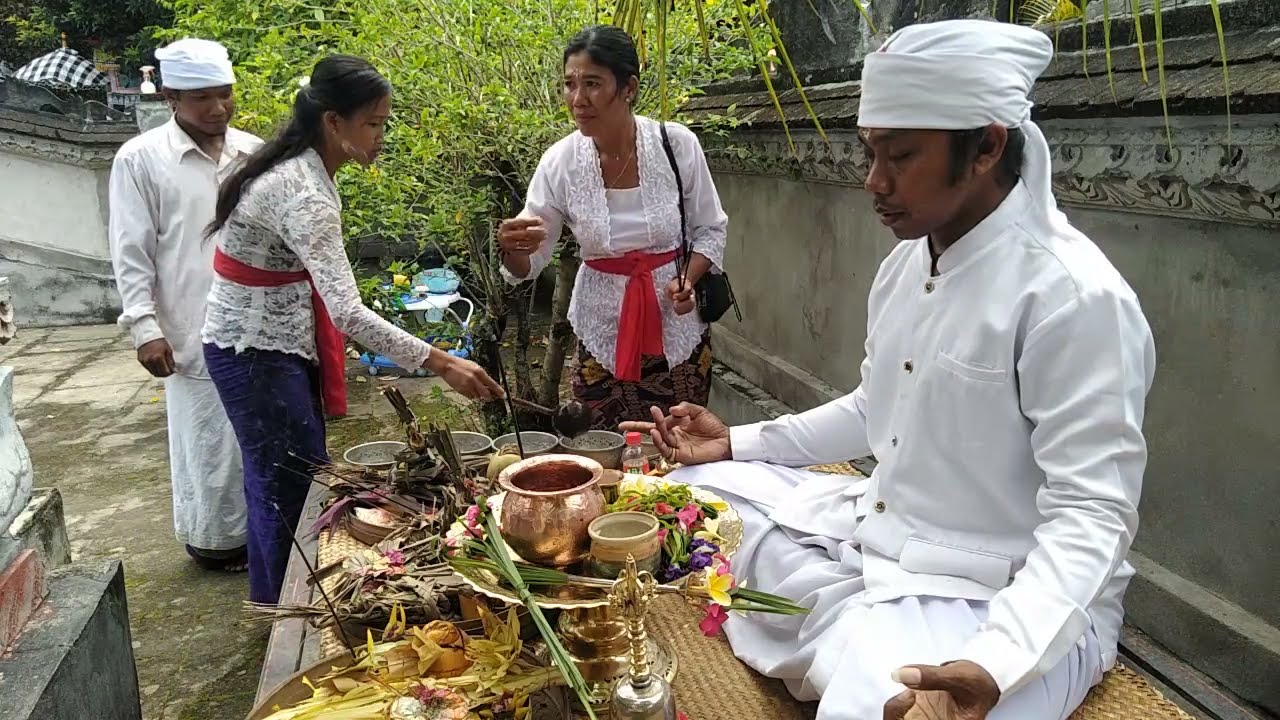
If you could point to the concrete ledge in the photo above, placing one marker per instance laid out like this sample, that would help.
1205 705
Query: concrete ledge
40 527
74 660
777 378
738 402
1227 643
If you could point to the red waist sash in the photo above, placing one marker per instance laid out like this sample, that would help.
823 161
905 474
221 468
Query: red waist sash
640 321
330 344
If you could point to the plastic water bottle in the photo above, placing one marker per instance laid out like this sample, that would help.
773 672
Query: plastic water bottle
634 461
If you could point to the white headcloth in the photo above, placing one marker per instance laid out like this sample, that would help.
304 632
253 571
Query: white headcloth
962 75
194 64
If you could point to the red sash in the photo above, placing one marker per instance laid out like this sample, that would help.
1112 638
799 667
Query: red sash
640 322
330 344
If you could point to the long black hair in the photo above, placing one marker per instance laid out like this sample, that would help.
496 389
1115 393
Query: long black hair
339 83
610 47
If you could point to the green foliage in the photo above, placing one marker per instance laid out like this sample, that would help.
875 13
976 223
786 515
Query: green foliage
121 28
477 101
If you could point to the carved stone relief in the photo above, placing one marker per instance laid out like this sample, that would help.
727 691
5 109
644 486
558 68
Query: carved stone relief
1131 168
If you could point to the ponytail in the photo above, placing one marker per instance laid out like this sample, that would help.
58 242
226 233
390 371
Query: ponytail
303 131
339 84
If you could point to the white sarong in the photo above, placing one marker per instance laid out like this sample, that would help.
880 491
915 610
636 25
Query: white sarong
842 653
204 459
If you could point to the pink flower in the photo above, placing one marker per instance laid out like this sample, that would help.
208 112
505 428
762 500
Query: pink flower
395 557
688 515
715 617
722 564
472 518
662 534
681 716
663 509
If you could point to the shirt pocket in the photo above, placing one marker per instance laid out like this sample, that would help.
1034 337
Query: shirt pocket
933 558
970 370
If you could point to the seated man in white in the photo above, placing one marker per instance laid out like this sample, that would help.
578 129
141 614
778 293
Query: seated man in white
982 566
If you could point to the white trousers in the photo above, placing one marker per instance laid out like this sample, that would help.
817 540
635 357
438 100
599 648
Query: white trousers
842 653
205 467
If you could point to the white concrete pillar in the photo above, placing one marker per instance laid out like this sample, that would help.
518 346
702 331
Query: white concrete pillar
15 463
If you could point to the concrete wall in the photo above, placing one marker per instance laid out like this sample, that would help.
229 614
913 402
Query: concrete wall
802 256
54 172
54 205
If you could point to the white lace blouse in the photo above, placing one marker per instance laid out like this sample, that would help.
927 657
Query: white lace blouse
568 188
289 219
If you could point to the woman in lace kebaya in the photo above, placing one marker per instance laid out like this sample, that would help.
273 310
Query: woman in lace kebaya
283 297
641 341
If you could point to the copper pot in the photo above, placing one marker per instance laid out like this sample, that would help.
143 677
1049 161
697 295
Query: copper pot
550 501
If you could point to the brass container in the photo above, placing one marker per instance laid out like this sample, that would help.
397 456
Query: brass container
550 501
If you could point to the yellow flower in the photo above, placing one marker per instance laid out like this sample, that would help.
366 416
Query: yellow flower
720 505
718 588
400 280
710 531
633 484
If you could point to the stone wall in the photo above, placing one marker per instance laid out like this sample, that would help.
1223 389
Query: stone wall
1192 226
54 165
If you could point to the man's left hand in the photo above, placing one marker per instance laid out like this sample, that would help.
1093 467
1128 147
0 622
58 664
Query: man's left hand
956 691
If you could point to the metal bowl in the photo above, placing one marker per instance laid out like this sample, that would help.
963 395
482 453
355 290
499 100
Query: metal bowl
535 443
472 443
380 455
600 445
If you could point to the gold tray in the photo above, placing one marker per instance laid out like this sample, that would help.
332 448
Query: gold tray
547 704
572 597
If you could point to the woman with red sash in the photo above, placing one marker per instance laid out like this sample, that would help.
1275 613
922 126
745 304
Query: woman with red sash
641 343
284 297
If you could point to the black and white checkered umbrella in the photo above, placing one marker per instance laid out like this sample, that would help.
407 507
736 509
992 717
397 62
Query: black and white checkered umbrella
62 68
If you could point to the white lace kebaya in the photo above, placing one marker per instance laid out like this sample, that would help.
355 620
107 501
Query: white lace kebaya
290 219
568 189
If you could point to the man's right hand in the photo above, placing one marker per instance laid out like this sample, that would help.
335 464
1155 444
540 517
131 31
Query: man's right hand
690 435
157 357
522 235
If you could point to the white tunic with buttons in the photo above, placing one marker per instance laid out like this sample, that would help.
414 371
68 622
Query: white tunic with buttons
1003 398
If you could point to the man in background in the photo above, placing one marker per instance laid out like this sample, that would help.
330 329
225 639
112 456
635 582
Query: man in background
163 191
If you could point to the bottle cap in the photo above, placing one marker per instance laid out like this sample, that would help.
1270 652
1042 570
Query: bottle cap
634 438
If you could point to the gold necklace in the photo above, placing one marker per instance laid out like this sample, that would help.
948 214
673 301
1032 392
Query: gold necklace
624 169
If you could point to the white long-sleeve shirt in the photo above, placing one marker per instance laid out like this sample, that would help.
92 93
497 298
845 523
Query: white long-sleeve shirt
1003 399
290 219
568 188
162 195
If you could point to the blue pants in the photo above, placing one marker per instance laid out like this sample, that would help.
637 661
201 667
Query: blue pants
273 402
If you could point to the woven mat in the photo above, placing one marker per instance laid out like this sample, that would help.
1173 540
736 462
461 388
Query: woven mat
334 548
711 679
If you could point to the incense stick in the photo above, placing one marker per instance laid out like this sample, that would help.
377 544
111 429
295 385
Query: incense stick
311 569
506 390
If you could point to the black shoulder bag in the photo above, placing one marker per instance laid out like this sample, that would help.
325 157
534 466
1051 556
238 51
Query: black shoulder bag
713 292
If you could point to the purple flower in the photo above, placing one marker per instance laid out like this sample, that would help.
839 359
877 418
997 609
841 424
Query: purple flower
700 545
672 573
699 561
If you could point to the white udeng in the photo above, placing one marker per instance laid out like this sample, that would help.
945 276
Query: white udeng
1003 398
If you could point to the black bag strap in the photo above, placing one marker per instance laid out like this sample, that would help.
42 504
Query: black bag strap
683 267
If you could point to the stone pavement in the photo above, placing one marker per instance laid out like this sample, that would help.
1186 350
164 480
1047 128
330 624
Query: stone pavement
94 422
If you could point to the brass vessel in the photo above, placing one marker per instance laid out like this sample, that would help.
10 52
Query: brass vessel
641 694
550 501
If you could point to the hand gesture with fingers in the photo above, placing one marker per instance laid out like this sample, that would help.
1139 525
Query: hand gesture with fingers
955 691
522 235
690 435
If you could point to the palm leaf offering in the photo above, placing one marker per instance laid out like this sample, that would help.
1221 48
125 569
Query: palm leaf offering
373 583
431 672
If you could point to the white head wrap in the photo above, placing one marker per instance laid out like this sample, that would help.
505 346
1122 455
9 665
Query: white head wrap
194 64
962 75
